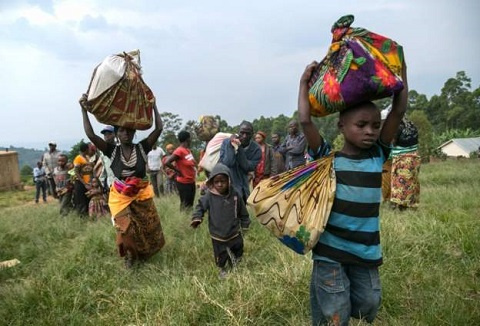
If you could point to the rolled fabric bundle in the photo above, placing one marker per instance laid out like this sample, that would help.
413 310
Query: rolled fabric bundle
359 66
295 205
207 127
117 94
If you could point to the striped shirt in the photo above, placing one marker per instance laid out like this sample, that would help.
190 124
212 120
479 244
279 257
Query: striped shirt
351 235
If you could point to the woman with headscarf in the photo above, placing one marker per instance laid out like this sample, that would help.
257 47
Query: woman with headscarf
265 168
139 232
185 168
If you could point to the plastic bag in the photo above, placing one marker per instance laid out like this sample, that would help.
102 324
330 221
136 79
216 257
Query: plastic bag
360 66
117 94
212 152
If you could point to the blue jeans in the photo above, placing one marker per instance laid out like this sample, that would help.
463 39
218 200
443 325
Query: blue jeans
338 292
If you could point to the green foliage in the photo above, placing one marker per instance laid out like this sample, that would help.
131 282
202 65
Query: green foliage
26 170
425 133
441 138
70 274
172 124
75 150
27 156
338 142
457 106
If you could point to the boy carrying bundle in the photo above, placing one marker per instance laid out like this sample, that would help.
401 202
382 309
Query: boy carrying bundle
345 280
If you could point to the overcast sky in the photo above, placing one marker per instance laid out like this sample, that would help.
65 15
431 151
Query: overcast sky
238 59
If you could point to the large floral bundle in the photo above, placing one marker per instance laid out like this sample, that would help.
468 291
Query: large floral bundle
295 205
117 94
360 66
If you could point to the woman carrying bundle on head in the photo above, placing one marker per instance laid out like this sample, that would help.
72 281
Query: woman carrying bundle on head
139 232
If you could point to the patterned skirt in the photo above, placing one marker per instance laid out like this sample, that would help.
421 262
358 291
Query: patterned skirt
139 231
386 180
97 207
405 190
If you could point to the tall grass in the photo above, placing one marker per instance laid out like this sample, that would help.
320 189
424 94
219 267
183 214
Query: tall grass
70 274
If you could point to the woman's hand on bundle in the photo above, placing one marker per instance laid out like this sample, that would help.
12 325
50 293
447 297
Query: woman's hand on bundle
83 101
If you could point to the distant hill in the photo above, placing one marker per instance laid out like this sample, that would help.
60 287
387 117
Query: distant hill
26 156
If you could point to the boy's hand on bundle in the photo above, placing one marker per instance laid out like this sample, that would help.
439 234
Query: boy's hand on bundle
307 74
195 223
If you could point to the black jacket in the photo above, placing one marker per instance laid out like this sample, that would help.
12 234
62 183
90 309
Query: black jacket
227 213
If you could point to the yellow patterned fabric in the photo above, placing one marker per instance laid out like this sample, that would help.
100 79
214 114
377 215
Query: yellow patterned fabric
118 202
296 204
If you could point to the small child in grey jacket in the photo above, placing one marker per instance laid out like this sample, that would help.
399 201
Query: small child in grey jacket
228 215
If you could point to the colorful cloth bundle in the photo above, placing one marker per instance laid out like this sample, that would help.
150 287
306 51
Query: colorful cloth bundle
296 204
117 94
131 186
359 66
207 127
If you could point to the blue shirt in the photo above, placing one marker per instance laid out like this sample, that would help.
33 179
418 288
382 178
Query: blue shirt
352 235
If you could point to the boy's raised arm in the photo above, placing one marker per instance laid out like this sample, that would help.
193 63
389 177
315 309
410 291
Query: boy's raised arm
399 107
314 139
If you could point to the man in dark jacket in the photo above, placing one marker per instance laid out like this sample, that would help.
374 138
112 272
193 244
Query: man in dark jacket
241 155
227 217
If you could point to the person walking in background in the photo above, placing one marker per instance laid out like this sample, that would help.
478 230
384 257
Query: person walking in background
40 179
241 155
106 175
63 184
227 217
170 183
345 279
405 183
83 174
294 146
49 161
278 155
266 166
185 169
154 169
139 233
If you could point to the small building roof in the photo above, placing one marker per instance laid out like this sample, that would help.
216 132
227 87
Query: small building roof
467 144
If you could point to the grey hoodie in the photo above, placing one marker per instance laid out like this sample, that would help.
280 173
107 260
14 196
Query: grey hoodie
227 213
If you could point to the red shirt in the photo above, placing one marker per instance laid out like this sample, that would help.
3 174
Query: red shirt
185 164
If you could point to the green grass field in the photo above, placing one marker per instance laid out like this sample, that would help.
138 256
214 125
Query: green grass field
70 274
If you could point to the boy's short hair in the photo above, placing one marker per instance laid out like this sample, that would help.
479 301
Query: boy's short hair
367 104
63 155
